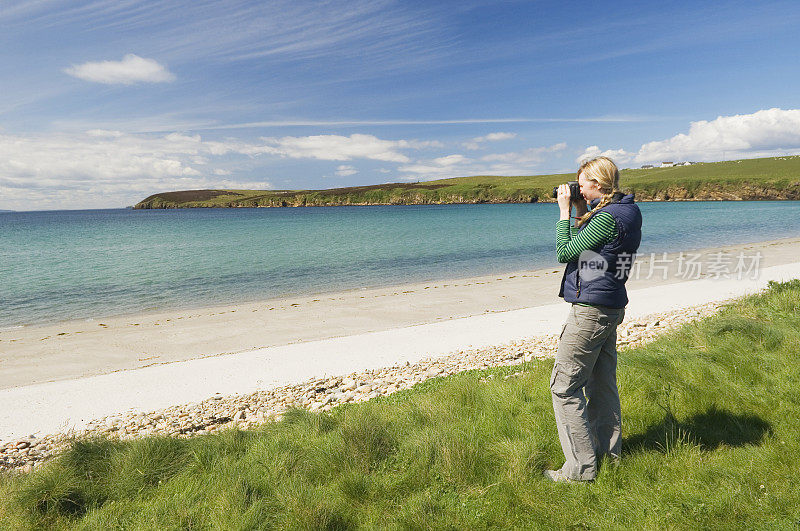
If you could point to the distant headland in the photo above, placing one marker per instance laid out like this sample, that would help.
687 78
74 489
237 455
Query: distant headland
775 178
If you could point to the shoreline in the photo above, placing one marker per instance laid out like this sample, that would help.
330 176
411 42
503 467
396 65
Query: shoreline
76 349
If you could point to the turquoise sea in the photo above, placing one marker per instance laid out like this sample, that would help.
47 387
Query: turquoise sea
60 265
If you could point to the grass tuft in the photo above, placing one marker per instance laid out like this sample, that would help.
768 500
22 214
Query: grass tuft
55 493
145 464
368 438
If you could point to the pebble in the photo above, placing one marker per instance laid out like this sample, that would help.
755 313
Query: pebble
321 394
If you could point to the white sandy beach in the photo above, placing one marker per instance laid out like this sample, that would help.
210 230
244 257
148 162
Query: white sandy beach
58 377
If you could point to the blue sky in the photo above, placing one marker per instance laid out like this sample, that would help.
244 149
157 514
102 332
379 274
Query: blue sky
105 102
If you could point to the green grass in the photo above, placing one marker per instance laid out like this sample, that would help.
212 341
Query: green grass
767 178
710 441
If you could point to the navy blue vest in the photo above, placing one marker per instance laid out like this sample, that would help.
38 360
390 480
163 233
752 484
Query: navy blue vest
600 280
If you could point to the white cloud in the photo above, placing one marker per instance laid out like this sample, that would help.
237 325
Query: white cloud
619 156
528 156
104 133
765 133
336 147
113 168
512 163
447 166
420 144
450 160
131 69
476 142
344 170
494 137
102 169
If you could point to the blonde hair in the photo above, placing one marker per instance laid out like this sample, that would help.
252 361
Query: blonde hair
605 173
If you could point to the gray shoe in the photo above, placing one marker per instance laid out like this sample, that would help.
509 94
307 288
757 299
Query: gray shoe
557 476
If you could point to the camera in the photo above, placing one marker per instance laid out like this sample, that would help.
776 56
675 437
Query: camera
574 191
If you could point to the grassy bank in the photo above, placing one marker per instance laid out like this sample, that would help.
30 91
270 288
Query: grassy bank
710 441
768 178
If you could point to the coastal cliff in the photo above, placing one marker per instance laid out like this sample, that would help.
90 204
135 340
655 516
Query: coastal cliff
744 180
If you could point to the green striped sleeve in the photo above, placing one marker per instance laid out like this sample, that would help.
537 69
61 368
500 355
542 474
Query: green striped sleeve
601 229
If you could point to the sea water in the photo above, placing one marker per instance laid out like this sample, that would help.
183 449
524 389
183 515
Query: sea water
60 265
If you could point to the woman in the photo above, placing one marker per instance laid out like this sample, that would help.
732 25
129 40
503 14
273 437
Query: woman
598 257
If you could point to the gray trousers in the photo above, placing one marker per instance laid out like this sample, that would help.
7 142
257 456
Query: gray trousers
584 389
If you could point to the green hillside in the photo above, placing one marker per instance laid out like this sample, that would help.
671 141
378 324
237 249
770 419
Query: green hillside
747 179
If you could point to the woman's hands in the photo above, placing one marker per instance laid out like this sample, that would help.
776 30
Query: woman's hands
563 201
565 205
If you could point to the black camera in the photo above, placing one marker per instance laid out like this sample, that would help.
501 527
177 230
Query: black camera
574 191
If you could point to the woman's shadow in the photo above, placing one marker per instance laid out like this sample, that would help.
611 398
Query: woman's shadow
709 430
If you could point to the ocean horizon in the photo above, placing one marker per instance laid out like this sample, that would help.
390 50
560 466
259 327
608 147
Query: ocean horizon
62 265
